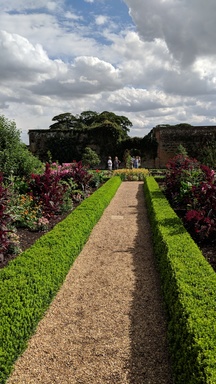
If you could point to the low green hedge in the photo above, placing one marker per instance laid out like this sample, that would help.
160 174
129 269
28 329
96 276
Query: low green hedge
30 282
189 288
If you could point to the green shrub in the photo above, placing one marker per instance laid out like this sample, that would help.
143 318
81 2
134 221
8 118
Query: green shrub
90 158
30 282
99 177
189 286
14 156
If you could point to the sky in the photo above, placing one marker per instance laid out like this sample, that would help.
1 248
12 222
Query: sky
153 61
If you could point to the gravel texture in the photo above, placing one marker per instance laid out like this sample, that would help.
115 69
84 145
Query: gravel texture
107 324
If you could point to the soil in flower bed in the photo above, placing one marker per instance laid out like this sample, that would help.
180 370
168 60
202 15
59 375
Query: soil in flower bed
209 252
28 238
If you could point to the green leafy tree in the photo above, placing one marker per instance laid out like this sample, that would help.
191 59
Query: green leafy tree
106 130
92 119
118 121
88 118
90 158
64 121
15 157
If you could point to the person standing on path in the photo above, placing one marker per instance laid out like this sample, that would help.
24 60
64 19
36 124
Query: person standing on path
136 162
109 163
116 163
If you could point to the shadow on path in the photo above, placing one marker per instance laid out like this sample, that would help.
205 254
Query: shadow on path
149 360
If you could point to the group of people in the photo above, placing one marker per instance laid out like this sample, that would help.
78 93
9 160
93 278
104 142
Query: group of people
113 165
135 162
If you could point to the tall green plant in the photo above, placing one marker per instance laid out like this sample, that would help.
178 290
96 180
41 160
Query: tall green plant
90 158
208 154
14 156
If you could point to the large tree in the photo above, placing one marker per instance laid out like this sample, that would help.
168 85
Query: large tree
64 121
92 119
88 118
121 122
102 132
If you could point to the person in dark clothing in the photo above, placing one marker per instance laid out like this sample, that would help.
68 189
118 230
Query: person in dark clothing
116 163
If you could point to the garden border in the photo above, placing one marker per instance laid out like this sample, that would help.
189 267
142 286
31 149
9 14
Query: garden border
30 282
189 286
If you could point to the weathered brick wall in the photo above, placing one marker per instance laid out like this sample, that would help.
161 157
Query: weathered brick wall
38 139
170 137
161 143
68 145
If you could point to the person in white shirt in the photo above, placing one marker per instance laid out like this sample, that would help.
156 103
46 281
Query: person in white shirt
109 163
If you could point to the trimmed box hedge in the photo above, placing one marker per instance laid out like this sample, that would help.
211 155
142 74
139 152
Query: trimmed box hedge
189 288
29 283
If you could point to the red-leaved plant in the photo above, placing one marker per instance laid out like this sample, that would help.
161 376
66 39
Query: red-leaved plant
5 219
74 171
183 173
191 188
201 221
48 191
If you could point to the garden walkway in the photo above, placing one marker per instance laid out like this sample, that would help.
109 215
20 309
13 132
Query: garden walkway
107 323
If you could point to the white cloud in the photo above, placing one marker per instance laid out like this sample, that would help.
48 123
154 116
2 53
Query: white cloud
58 58
72 16
21 61
23 5
139 100
187 27
66 40
101 19
86 76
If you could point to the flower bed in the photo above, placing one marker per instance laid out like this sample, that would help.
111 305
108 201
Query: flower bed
35 202
131 174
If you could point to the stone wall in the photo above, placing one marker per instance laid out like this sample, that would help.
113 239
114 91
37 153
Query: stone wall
156 148
69 145
39 138
168 138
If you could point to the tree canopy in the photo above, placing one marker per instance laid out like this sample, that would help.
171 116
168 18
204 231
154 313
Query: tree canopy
92 119
64 121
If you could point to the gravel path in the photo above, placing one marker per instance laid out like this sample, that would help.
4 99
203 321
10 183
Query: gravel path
107 323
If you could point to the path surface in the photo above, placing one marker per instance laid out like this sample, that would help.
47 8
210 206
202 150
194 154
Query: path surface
107 323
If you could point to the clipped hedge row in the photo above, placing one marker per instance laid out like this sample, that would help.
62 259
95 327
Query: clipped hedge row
189 288
30 282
